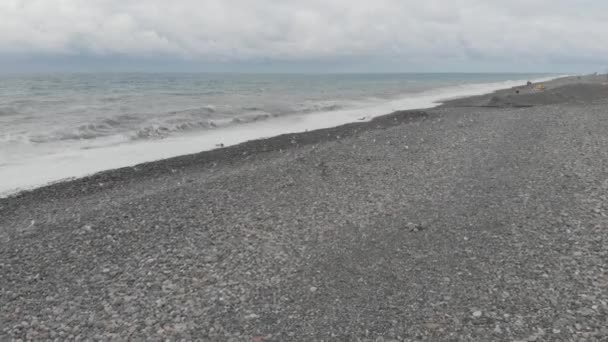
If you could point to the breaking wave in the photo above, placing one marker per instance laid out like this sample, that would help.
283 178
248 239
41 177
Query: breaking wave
205 110
162 131
88 131
323 108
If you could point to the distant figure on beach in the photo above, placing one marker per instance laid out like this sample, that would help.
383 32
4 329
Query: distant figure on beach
529 83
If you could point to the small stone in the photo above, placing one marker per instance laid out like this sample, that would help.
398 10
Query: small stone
168 286
131 309
210 259
313 289
556 331
477 314
180 327
432 326
97 278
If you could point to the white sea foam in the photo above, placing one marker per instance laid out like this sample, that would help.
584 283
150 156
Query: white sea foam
33 166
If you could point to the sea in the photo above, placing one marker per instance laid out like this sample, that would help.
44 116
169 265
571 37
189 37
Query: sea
59 126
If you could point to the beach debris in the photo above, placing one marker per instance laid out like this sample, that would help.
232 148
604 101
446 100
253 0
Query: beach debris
362 118
517 91
323 167
540 87
414 227
219 145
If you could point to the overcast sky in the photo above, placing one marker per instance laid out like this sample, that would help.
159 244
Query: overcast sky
305 35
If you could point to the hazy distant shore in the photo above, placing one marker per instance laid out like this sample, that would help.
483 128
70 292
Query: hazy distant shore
480 219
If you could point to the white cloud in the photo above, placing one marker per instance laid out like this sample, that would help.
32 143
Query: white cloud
237 30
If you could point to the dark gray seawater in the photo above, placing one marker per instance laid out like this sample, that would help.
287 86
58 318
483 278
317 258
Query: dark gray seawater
45 108
68 115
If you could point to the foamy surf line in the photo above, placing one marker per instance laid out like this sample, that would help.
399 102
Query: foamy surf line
57 167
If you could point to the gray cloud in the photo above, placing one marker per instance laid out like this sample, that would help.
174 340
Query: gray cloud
310 30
